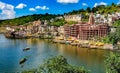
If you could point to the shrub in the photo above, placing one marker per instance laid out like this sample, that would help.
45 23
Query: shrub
58 64
113 63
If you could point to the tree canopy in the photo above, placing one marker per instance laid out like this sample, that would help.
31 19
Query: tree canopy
26 19
57 64
112 63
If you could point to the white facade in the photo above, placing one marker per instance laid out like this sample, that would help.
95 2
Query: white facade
73 17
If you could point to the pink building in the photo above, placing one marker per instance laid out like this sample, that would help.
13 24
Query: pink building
85 31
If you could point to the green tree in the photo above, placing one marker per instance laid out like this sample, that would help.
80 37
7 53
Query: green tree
113 37
113 4
57 64
88 9
112 63
94 9
26 19
71 22
58 22
116 23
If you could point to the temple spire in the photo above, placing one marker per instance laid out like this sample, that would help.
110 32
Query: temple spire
91 19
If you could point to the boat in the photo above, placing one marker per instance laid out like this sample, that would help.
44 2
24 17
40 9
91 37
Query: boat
22 61
68 42
25 49
62 41
74 44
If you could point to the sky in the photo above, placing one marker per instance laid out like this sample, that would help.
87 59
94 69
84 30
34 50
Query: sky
10 9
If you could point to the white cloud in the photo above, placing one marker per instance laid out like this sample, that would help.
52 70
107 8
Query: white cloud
42 7
67 1
118 2
32 9
21 6
7 11
101 3
38 7
84 4
96 4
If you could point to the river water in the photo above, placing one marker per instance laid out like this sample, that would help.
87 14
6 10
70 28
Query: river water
11 51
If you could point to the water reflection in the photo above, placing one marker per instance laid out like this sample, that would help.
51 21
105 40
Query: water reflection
90 58
11 51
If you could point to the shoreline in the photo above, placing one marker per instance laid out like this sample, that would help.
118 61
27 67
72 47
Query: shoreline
93 45
78 43
2 30
82 44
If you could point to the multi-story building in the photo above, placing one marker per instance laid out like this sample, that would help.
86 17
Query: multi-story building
90 31
71 30
85 31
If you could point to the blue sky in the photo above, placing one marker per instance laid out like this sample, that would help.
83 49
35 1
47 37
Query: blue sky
14 8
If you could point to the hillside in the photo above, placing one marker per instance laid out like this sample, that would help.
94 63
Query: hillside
102 9
29 18
25 19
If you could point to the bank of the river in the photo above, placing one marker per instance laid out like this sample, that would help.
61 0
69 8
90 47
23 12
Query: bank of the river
11 51
91 44
75 42
2 30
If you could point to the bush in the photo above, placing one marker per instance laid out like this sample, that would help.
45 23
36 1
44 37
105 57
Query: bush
113 63
58 64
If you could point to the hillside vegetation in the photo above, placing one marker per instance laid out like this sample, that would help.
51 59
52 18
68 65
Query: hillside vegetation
25 19
102 9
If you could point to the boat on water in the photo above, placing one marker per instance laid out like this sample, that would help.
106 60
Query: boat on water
62 41
25 49
68 42
23 60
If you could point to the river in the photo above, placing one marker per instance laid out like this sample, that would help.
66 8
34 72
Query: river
11 51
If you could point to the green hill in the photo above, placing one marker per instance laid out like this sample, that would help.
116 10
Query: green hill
102 9
29 18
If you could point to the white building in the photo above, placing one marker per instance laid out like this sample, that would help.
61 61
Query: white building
73 17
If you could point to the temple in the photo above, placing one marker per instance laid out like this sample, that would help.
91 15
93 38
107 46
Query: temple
85 31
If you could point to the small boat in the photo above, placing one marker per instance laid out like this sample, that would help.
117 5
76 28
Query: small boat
74 44
25 49
68 42
22 61
62 41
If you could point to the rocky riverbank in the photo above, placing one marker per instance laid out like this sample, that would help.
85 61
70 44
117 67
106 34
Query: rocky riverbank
85 43
2 30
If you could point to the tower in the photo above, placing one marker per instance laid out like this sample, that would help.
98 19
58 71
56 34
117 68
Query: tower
91 19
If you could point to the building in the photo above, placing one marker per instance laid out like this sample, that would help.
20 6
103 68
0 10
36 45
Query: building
73 17
86 31
61 30
36 26
71 30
